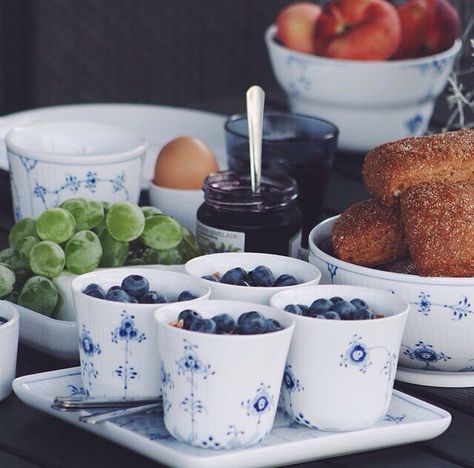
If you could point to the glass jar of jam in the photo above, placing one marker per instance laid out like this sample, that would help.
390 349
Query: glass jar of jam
234 219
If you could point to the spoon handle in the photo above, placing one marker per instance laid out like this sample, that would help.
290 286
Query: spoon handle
255 104
109 415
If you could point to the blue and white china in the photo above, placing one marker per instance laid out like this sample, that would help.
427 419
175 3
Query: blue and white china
304 272
9 330
440 325
221 391
339 374
117 341
371 102
53 161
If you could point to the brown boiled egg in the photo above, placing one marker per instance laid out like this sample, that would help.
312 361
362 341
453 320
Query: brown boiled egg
183 163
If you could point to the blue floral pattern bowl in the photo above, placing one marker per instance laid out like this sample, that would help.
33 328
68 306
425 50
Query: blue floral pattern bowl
440 326
221 391
53 161
370 101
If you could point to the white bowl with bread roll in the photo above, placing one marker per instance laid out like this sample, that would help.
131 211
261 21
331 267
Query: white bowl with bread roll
414 237
371 102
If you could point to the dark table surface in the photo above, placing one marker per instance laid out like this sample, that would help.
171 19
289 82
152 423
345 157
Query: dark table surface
30 438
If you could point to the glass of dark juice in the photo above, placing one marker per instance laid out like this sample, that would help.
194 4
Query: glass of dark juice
300 146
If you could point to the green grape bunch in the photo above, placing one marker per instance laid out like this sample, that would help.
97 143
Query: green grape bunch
81 235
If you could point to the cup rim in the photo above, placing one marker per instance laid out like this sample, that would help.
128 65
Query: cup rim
13 320
270 41
161 317
138 147
242 116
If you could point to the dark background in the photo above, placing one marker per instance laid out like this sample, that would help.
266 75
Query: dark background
165 52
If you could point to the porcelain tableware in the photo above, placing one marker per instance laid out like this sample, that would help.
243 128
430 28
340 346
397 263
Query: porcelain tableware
9 330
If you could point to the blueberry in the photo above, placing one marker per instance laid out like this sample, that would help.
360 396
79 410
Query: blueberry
309 312
117 295
331 315
225 323
285 280
94 290
188 316
304 308
359 303
336 299
186 296
234 276
203 326
209 278
135 285
362 313
153 297
248 315
262 276
252 324
294 309
273 325
344 309
320 306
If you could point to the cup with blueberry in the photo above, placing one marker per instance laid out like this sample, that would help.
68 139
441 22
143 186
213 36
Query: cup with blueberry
222 365
9 332
250 276
116 330
343 358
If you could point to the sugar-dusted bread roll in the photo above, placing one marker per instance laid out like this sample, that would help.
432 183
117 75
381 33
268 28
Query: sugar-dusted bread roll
439 226
369 233
391 168
404 265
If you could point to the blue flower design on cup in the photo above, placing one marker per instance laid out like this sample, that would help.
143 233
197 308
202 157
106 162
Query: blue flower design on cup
127 333
426 354
357 354
290 385
88 349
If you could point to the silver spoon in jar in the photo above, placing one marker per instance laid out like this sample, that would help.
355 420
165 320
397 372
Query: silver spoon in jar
255 104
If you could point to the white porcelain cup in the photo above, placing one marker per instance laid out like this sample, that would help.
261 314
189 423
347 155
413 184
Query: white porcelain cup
8 347
221 391
53 161
340 373
117 340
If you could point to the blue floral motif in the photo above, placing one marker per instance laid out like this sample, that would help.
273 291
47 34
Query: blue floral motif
89 349
426 354
290 385
75 390
332 271
28 164
459 310
91 181
127 332
357 354
414 123
72 183
394 419
191 367
260 404
166 384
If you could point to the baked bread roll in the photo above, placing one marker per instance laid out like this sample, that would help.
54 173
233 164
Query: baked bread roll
391 168
404 265
369 233
439 226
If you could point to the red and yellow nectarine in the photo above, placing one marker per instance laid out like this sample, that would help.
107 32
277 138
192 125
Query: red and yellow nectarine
295 26
358 30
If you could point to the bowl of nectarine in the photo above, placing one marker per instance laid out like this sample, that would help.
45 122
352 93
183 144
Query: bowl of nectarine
372 68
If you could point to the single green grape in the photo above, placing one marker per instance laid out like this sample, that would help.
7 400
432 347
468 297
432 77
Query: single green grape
27 244
15 260
114 252
150 211
83 252
7 280
87 213
125 221
23 228
39 294
163 257
47 259
56 225
161 232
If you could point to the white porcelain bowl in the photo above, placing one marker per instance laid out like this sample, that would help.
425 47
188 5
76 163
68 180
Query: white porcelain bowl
371 102
117 340
221 391
53 161
304 272
339 374
440 326
181 204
